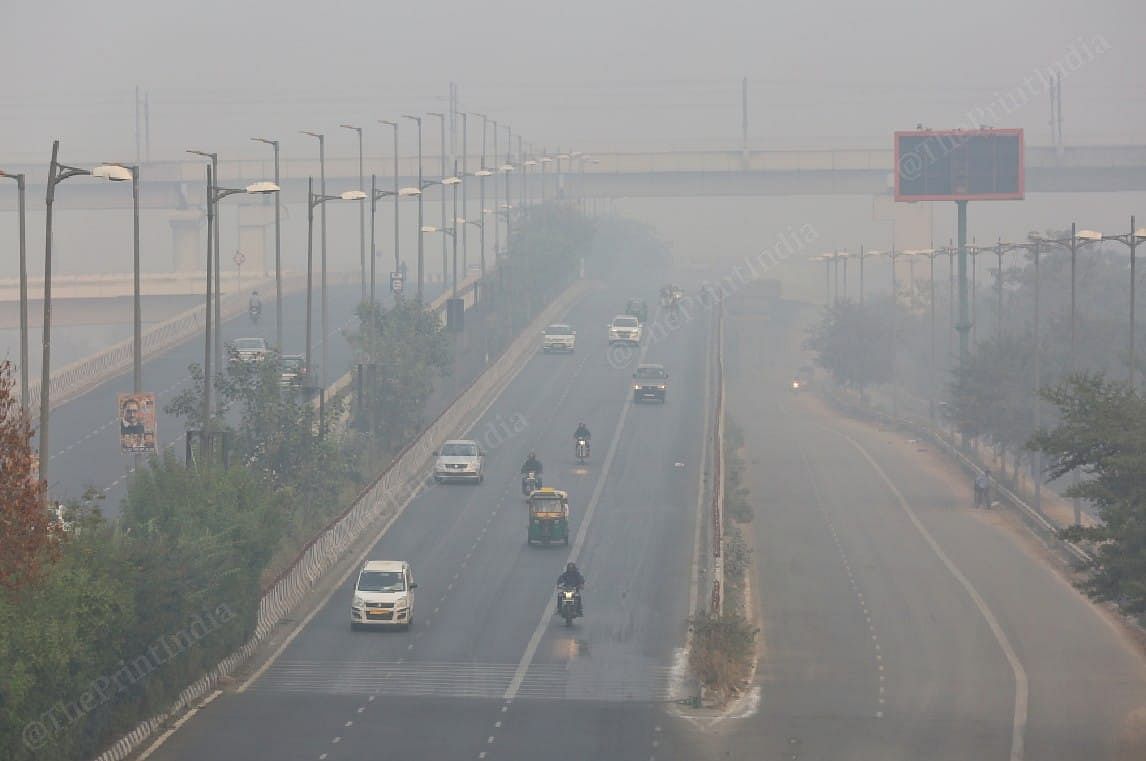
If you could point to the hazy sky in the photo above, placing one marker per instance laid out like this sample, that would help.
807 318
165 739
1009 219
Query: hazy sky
593 73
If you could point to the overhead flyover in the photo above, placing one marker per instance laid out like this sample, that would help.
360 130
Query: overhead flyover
179 185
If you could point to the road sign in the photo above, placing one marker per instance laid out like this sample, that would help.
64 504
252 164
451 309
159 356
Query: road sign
397 282
959 165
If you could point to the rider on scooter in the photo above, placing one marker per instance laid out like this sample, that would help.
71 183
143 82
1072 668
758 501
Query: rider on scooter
573 579
532 465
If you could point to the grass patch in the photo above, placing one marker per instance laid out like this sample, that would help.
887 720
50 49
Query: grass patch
722 651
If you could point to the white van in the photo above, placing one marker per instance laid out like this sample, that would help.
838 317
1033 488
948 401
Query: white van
383 595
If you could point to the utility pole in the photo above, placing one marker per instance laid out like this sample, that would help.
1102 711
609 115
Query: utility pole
744 121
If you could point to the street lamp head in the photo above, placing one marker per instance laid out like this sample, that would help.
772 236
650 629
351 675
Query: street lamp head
205 154
113 172
319 135
546 159
268 141
350 126
506 168
429 229
452 181
530 162
352 195
409 191
388 123
483 173
260 188
1089 235
459 220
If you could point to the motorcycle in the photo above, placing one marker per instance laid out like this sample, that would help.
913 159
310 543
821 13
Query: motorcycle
582 450
255 311
568 603
530 483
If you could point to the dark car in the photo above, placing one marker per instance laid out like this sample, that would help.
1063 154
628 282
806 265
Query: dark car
650 382
637 308
293 370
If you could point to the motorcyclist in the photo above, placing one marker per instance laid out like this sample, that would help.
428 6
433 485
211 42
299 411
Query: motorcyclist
982 485
573 579
532 465
582 432
256 303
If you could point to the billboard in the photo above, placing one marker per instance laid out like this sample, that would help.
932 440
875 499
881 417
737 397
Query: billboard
137 423
959 165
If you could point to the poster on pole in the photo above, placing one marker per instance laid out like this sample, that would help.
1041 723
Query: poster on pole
137 423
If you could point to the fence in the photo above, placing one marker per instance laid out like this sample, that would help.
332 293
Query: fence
385 498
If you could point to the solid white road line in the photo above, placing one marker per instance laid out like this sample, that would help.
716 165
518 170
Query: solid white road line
574 553
1022 695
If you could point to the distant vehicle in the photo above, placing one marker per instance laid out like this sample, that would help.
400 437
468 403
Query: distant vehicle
459 460
293 370
637 308
249 349
803 378
625 329
383 595
558 337
650 382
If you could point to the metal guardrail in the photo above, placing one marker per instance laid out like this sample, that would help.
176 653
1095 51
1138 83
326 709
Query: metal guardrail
717 605
385 498
83 375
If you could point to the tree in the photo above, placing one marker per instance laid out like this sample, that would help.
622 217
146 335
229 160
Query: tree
1102 433
28 534
992 396
853 343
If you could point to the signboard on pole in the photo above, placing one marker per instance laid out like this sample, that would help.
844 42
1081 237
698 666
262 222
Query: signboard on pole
397 282
137 423
959 165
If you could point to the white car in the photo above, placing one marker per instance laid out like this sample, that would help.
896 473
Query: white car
625 329
558 337
459 460
249 349
383 595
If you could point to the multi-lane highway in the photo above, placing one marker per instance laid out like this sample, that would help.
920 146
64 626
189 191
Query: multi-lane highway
85 436
487 670
897 623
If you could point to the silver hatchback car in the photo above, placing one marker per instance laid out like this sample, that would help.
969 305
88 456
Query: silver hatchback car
459 460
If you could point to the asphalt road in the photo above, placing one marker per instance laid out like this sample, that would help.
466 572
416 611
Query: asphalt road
85 435
487 671
898 622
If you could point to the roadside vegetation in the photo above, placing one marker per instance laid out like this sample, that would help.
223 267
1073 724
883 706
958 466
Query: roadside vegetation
103 623
1094 425
724 646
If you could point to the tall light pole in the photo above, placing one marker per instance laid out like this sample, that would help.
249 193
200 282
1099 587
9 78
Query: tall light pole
21 207
482 173
421 242
313 200
1131 239
465 173
496 221
325 308
361 210
507 167
214 305
278 249
57 173
397 262
442 117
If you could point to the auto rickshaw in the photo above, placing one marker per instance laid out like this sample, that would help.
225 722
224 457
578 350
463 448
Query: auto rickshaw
548 516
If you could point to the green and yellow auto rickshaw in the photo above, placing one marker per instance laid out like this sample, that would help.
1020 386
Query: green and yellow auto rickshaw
548 516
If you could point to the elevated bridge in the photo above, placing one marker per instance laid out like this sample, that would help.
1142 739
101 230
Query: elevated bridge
179 185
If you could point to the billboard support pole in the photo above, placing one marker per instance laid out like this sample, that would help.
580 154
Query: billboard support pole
964 324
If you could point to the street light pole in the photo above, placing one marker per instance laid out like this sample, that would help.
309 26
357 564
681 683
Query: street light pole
218 258
21 207
209 319
442 117
278 248
397 261
309 272
496 203
421 223
455 235
481 196
137 310
1133 239
465 211
361 212
322 277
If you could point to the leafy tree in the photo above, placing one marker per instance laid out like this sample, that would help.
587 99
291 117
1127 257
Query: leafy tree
853 343
28 536
992 395
1102 433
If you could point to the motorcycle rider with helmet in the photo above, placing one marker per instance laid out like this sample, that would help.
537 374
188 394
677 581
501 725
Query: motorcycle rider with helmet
572 579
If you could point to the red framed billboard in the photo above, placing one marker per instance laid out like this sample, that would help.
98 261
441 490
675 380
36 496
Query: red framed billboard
959 165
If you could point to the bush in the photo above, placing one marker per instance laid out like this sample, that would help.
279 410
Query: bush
722 651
